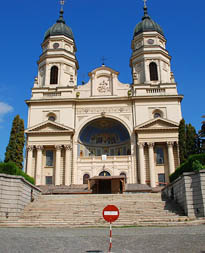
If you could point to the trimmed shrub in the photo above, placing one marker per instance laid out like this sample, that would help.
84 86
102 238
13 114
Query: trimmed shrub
10 168
193 163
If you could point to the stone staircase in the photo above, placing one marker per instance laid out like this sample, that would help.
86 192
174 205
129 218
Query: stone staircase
142 209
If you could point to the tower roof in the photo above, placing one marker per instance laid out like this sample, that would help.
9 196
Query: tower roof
60 28
147 25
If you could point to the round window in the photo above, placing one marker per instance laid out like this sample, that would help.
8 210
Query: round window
51 118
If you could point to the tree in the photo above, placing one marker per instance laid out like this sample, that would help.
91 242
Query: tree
14 150
182 141
191 141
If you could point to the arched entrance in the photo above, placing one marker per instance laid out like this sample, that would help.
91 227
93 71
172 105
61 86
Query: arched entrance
104 174
104 136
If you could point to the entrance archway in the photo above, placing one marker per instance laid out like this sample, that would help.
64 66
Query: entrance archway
104 174
104 136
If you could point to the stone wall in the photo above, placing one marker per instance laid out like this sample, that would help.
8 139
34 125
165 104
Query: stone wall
189 192
15 194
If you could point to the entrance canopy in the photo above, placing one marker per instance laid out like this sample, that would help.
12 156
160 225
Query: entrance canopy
107 184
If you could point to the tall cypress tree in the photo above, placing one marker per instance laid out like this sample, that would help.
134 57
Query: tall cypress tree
14 150
191 140
182 141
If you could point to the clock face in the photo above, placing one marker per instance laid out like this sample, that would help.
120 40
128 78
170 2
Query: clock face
150 41
56 45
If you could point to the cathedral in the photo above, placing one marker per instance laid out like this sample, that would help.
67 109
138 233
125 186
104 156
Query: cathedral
78 134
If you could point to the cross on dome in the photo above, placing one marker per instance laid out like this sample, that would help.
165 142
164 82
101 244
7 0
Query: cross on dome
145 3
62 2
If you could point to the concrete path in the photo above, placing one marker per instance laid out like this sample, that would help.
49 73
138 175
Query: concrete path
125 240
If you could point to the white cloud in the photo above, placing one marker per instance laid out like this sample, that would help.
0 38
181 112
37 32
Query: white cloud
4 109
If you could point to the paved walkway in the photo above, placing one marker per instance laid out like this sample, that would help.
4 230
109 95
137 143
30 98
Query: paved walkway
125 240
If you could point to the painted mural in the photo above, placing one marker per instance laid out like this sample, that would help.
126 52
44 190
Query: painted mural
104 137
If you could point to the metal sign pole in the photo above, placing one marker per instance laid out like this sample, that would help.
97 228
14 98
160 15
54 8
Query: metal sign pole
110 248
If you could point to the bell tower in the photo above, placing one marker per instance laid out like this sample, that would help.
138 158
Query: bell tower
57 65
150 61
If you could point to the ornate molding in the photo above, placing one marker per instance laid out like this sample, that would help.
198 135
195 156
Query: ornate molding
170 143
104 87
150 144
30 148
68 147
141 144
39 147
96 110
58 147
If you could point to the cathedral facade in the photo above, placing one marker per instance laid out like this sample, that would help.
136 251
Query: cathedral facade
103 127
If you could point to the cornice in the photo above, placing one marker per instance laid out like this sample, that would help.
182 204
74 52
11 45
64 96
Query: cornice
44 57
93 99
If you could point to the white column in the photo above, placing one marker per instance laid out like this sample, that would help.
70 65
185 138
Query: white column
39 165
68 157
29 160
141 163
171 157
151 164
58 162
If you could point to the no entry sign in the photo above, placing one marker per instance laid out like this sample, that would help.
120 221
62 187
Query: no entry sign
111 213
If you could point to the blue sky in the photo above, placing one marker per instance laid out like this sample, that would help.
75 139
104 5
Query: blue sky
101 28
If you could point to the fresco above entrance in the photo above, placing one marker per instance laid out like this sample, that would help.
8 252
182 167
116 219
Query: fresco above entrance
104 136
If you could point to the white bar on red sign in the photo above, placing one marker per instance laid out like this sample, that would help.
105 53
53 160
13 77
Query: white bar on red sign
110 213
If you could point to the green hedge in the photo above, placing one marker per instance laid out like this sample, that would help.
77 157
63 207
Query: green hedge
193 163
11 169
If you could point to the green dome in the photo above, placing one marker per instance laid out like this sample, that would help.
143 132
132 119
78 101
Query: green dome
147 25
60 28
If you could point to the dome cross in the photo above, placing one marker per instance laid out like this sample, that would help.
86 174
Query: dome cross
62 2
145 3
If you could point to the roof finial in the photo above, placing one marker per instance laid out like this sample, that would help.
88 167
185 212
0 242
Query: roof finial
62 2
61 19
145 9
145 3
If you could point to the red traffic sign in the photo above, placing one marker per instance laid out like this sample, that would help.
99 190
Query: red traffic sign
111 213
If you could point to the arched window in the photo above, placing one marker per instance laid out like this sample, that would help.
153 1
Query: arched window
54 75
85 179
153 71
123 174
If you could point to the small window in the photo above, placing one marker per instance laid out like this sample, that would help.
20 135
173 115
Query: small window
49 180
160 156
51 118
153 71
161 179
54 75
49 158
85 179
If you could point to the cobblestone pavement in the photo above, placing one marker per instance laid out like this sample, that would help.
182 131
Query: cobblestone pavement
125 240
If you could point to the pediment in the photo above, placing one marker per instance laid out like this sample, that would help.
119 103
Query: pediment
158 123
49 127
103 71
